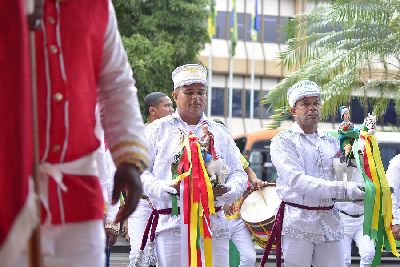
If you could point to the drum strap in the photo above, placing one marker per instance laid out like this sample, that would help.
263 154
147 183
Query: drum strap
276 233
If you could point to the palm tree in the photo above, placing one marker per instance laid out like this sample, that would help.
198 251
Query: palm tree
347 47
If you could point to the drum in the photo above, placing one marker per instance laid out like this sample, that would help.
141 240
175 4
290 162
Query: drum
258 212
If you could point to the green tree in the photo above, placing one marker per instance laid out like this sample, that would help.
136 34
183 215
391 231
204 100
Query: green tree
160 35
344 46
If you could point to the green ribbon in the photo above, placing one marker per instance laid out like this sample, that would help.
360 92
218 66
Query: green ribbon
369 198
174 211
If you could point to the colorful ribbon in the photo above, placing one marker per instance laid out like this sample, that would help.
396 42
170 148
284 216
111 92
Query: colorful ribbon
377 200
198 200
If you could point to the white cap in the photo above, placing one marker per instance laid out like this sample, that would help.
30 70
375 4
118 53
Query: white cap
189 74
302 89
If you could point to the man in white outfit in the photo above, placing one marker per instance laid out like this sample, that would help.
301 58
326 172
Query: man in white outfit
163 138
312 230
106 167
156 105
393 177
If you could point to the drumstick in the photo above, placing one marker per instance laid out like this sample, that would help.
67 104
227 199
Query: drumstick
259 191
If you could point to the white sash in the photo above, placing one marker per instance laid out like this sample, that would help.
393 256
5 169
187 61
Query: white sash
86 165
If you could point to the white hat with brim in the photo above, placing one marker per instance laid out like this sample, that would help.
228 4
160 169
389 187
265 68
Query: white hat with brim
189 74
302 89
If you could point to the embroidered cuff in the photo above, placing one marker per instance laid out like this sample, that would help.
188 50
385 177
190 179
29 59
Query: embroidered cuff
132 152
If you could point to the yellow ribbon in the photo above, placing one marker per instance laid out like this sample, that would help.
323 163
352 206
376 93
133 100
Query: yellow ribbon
382 187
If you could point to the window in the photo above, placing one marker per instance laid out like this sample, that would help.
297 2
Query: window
221 27
358 112
244 26
256 109
237 103
217 102
275 29
390 116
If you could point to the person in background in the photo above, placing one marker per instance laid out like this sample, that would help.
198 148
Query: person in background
303 157
393 177
240 235
107 170
156 105
352 216
72 78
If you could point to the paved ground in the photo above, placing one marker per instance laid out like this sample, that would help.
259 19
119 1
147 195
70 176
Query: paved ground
121 260
119 257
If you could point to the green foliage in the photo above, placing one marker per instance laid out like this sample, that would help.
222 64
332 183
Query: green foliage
345 46
160 35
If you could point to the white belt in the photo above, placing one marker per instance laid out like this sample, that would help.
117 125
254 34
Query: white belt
86 165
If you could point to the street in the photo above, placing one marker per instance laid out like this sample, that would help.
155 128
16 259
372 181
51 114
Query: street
120 254
121 260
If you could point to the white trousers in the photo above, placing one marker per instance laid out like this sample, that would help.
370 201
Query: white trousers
302 253
71 245
168 249
243 241
136 224
353 230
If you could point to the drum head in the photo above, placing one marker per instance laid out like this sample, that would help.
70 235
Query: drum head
260 205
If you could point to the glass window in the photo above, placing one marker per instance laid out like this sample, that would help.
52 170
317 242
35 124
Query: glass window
256 103
244 26
221 26
267 110
275 29
270 25
390 116
237 103
358 113
217 101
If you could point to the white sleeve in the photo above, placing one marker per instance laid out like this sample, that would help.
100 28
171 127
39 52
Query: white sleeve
117 98
237 179
112 209
292 175
393 177
151 185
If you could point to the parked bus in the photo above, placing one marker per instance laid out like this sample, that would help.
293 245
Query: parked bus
255 146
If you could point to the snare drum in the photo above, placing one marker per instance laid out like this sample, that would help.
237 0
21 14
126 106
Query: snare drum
258 212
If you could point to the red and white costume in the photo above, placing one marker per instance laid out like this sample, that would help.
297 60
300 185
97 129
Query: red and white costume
81 61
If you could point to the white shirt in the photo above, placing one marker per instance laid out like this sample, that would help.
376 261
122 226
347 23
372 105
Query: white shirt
163 142
305 177
393 177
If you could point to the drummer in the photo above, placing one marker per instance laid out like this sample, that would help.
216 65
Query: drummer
240 235
312 230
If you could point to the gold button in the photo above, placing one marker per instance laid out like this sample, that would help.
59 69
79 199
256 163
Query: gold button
56 148
53 49
58 96
51 20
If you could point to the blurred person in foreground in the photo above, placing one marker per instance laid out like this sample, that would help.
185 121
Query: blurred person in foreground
72 77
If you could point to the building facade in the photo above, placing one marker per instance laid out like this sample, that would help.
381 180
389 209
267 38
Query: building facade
260 58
